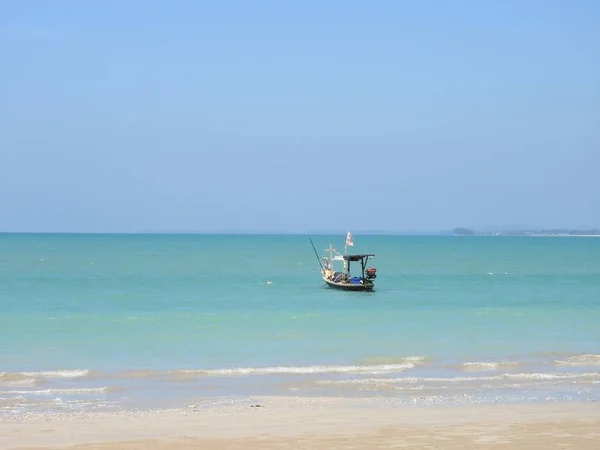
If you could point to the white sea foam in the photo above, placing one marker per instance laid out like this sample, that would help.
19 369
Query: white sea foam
481 366
64 391
387 360
77 373
372 369
15 379
550 376
415 359
21 382
588 359
505 376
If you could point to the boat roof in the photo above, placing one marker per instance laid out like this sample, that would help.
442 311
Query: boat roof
357 257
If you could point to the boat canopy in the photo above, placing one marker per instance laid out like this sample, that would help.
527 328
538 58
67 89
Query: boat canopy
357 257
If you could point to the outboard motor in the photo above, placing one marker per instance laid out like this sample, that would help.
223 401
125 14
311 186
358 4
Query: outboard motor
371 273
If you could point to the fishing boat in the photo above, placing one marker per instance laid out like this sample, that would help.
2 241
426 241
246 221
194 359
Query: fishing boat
342 278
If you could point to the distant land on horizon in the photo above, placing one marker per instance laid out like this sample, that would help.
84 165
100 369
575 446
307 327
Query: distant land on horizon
458 231
463 231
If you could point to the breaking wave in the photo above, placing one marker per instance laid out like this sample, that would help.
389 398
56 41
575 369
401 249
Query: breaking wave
485 366
301 370
15 379
386 360
505 376
588 359
76 373
64 391
32 378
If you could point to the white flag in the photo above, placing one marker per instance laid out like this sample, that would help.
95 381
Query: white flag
349 240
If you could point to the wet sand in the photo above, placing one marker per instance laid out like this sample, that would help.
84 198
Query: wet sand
315 423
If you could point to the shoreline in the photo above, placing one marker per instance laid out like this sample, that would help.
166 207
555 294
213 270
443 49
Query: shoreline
300 422
403 382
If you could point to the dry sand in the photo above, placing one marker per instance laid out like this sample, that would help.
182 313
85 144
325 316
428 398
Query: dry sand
296 423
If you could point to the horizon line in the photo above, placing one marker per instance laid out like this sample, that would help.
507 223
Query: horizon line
233 233
446 232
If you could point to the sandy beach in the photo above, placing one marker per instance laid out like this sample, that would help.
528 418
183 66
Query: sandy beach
302 423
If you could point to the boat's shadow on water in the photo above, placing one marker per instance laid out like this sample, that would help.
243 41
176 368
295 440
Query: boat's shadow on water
352 294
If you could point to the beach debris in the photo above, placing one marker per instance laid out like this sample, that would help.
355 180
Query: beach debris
255 406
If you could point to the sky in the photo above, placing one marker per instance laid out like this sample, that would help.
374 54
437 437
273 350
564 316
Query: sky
273 116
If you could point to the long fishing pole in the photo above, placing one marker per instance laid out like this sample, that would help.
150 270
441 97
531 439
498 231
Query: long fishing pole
316 254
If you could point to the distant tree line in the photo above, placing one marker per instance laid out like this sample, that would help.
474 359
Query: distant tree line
553 232
460 231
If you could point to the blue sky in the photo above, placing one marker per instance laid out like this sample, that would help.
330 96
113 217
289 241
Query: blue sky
121 116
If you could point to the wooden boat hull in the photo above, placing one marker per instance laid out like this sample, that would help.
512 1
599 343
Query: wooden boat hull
367 287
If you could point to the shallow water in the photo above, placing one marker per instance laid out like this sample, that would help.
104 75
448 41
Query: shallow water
97 321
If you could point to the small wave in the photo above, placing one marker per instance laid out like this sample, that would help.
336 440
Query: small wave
504 376
77 373
386 360
480 366
588 359
65 391
143 374
15 379
275 370
307 370
550 376
21 382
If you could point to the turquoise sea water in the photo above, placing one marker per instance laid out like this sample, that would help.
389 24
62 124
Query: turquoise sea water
99 321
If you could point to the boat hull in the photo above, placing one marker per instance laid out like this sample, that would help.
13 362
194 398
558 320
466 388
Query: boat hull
367 287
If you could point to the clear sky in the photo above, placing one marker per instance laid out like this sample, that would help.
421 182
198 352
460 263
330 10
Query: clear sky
138 115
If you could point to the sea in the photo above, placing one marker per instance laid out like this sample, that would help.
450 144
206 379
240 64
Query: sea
103 322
